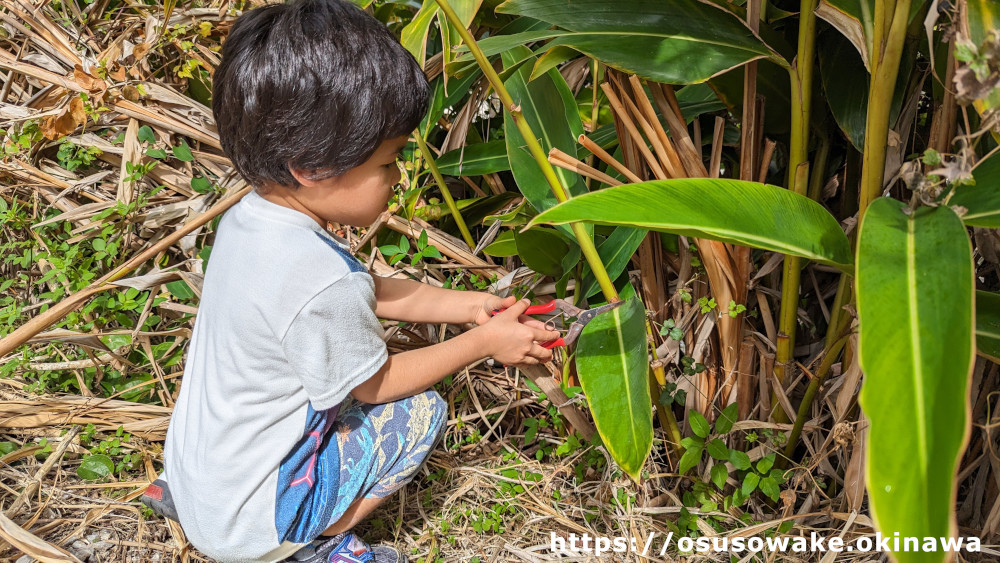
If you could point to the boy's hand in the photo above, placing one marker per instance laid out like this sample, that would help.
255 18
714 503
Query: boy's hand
513 341
491 303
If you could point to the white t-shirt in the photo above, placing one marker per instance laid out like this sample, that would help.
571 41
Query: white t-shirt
285 330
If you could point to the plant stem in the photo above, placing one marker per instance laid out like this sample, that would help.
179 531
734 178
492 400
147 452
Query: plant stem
665 414
885 67
829 356
445 192
585 241
801 75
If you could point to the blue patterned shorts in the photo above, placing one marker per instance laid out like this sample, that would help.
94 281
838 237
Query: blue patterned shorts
378 450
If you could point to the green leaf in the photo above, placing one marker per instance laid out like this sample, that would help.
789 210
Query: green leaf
988 324
692 442
146 134
718 450
404 244
769 487
982 200
180 290
476 211
542 250
677 42
182 152
475 160
981 17
502 246
750 483
745 213
544 109
156 153
766 463
551 59
414 35
740 460
94 467
201 184
846 81
613 368
719 475
615 253
699 425
691 458
727 419
390 250
915 306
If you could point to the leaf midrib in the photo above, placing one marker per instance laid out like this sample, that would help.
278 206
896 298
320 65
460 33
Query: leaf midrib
625 371
798 251
918 375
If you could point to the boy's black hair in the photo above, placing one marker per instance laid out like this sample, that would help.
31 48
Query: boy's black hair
314 85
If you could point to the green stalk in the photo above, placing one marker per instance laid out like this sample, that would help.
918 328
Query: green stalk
657 380
801 75
829 356
444 191
885 67
583 239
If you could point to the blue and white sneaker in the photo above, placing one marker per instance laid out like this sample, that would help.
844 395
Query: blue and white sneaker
347 548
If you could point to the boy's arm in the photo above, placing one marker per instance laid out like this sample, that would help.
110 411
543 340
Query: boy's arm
504 338
412 301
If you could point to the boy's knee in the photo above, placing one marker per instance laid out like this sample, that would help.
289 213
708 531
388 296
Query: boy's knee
438 407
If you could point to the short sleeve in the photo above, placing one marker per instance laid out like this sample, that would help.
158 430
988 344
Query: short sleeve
335 342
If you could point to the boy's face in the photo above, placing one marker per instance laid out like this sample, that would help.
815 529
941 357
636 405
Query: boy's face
354 198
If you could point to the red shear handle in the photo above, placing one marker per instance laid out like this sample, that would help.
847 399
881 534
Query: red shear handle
534 309
553 344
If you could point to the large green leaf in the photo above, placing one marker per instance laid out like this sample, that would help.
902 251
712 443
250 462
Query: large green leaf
981 16
543 107
845 81
615 252
988 324
746 213
414 35
614 370
681 41
982 201
475 160
542 250
914 291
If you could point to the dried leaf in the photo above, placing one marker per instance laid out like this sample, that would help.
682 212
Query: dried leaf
140 50
118 74
88 81
32 544
130 93
58 126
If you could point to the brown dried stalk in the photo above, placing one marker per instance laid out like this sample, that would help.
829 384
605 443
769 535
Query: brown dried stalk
567 162
623 116
611 161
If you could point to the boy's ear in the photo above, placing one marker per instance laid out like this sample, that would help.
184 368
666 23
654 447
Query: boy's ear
301 176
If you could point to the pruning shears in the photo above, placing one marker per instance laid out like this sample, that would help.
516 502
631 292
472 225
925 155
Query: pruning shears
565 309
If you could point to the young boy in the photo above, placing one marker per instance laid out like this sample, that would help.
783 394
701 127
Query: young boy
265 452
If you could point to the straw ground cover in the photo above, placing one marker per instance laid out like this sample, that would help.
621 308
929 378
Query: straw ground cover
111 182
